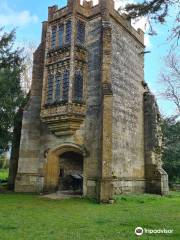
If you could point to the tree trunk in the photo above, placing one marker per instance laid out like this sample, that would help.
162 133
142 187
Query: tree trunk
13 164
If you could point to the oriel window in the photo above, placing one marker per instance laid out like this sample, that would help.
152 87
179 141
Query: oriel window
80 32
53 38
68 32
65 85
61 34
78 87
49 97
58 81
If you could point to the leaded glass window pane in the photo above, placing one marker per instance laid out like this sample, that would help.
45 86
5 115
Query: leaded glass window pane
65 85
49 98
68 32
61 33
80 32
58 88
78 87
53 37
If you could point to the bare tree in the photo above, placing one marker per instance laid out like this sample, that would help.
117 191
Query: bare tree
170 79
26 76
156 11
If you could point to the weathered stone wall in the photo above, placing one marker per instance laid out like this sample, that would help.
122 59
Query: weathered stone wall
156 177
128 133
93 102
49 141
27 179
71 163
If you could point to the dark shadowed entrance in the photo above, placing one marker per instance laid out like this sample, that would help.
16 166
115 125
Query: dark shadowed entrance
63 162
70 172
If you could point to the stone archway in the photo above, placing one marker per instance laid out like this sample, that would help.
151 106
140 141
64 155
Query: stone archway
52 168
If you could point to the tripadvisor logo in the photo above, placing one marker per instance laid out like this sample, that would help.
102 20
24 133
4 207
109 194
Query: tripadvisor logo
139 231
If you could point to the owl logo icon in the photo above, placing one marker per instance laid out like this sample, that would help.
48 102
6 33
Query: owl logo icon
139 231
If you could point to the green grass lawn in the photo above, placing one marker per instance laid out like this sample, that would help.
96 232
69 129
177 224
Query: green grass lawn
3 174
31 217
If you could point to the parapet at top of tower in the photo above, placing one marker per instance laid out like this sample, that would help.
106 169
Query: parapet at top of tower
87 9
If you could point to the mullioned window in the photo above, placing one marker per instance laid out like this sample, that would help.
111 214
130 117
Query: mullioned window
53 37
78 87
50 88
68 31
61 35
80 32
58 81
65 85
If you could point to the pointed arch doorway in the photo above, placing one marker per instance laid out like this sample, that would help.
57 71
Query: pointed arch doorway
64 169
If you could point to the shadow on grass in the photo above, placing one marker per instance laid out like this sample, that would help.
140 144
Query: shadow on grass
144 198
7 227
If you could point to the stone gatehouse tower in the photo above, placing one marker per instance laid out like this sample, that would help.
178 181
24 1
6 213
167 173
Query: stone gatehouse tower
91 119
